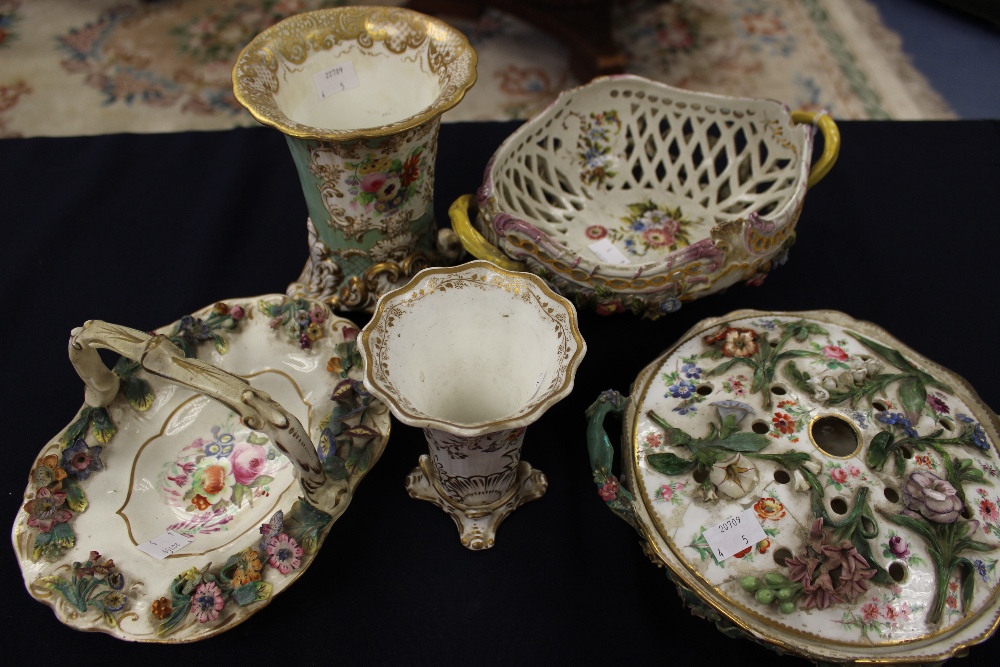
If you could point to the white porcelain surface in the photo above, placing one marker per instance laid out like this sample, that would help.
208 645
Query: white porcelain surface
471 349
393 69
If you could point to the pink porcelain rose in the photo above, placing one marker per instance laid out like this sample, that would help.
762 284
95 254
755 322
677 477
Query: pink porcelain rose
248 462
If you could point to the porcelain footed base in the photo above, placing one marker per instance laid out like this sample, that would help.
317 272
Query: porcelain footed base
477 525
324 279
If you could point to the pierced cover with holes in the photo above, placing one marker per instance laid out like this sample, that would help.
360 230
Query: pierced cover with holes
631 194
871 472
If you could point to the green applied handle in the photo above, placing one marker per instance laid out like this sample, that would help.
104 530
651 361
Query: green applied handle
619 500
602 454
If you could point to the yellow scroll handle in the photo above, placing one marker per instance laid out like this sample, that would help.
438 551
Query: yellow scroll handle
473 241
831 142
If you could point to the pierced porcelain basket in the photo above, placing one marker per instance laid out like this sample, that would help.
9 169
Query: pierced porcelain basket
628 194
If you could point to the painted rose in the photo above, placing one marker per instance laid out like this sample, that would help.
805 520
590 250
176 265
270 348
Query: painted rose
248 462
839 475
928 495
898 547
658 237
374 183
834 352
596 232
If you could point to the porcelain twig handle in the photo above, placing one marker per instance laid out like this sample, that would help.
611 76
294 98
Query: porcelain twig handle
602 453
159 356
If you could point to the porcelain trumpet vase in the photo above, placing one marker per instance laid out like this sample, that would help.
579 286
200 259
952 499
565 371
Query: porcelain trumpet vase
472 355
358 93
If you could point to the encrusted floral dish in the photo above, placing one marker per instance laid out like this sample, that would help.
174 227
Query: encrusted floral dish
812 483
182 497
630 195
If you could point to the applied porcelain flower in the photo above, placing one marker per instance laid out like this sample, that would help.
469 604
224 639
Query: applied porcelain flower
284 553
79 460
732 408
930 496
840 380
48 472
207 602
734 476
46 509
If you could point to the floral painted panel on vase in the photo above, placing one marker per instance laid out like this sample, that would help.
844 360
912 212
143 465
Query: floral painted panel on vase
370 190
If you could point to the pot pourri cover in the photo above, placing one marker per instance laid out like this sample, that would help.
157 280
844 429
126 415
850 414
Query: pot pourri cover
810 481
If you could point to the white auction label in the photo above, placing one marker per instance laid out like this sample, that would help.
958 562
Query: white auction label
606 251
735 534
335 79
165 545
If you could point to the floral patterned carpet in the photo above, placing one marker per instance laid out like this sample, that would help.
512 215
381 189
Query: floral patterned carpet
80 68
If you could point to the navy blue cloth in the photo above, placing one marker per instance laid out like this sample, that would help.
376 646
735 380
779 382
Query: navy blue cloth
143 229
